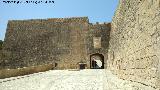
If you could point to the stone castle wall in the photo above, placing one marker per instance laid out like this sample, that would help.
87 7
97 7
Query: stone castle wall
134 47
102 31
44 41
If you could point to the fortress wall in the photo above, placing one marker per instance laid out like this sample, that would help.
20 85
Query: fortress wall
102 31
78 45
65 41
134 47
36 42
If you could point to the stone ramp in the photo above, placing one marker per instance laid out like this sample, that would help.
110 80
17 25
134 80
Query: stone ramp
87 79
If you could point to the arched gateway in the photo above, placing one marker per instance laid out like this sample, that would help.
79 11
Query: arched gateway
96 61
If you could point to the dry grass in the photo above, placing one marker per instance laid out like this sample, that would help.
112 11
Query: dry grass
6 73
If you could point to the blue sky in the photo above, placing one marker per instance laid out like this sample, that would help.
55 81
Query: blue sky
96 10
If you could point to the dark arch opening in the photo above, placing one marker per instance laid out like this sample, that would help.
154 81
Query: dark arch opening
96 61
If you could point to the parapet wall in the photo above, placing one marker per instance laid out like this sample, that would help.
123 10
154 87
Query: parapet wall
134 47
38 24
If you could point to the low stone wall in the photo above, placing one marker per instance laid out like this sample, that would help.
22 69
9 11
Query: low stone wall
6 73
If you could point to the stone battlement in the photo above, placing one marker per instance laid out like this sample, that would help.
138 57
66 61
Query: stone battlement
37 24
72 19
58 20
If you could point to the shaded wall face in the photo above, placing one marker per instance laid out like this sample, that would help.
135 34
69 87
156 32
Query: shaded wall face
65 42
134 46
78 46
36 42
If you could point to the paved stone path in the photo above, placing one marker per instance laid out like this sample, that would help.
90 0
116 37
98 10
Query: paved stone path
97 79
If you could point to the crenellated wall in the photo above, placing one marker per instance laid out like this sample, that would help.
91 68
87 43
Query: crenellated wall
64 41
134 47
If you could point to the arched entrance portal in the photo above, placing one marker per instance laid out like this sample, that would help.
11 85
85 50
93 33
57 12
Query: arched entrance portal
97 61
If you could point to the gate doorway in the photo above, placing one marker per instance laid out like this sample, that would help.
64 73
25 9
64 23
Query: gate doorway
97 61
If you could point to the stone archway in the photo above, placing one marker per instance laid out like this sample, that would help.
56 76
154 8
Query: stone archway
96 61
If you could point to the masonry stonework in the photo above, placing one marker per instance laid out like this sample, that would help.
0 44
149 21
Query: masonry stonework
131 49
134 47
64 41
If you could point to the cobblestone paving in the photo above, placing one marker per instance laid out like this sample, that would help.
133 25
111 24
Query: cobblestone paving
96 79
